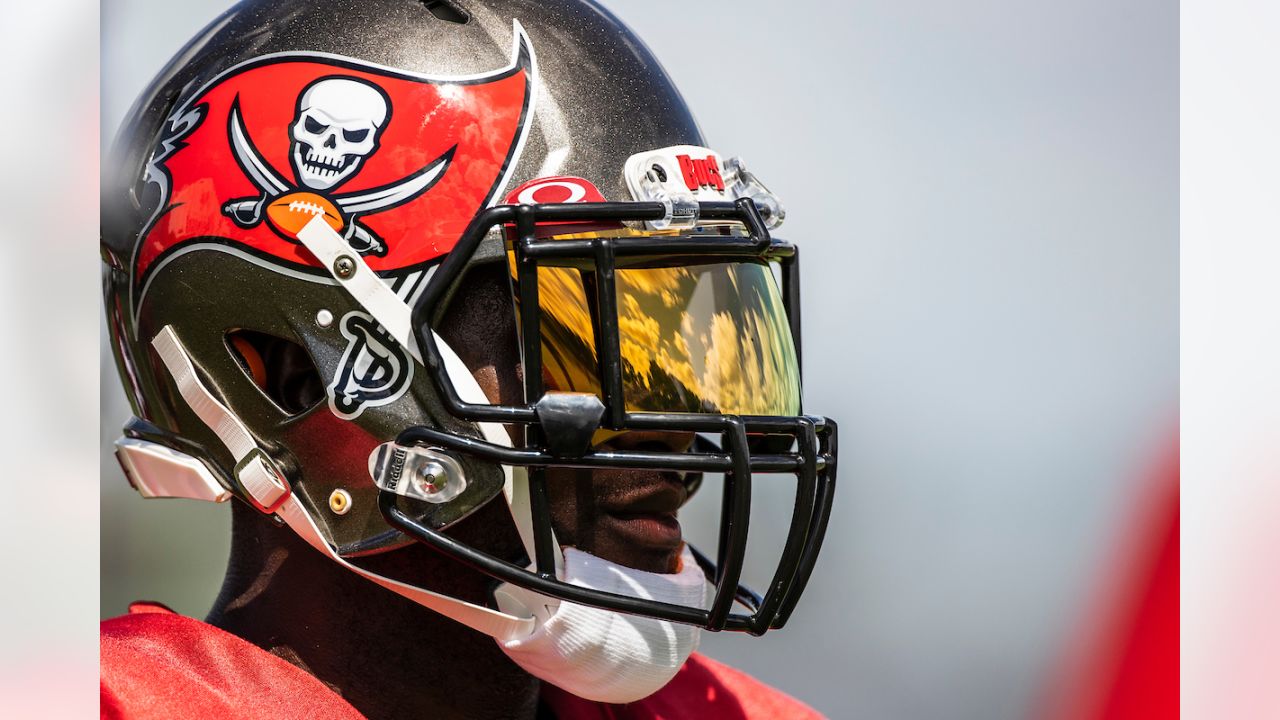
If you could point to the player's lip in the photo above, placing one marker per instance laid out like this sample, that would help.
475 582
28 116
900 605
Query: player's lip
645 512
644 492
653 530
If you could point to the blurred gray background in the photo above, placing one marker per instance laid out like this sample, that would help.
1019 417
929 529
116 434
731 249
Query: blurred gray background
986 194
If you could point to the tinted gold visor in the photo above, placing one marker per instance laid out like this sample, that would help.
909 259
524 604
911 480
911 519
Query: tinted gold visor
710 338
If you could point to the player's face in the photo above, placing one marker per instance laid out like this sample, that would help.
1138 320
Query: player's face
624 516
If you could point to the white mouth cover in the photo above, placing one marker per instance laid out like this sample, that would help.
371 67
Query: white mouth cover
599 654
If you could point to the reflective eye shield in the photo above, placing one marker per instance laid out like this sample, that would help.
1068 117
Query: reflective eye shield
615 281
709 338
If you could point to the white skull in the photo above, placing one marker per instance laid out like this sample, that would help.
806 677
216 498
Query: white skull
337 126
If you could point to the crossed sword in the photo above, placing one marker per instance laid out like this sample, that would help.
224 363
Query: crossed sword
247 212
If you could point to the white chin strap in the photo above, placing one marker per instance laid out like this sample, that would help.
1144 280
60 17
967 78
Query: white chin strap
273 494
596 654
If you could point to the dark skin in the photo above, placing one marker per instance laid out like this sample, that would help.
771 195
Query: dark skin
391 658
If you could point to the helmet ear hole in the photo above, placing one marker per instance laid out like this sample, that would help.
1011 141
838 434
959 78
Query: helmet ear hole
447 11
281 369
250 359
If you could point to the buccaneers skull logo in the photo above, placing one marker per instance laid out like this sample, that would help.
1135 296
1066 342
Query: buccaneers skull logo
338 124
401 160
397 162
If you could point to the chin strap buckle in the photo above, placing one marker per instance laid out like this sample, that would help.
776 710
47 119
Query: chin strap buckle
258 476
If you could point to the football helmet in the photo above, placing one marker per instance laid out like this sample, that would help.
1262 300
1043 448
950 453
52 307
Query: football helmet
292 205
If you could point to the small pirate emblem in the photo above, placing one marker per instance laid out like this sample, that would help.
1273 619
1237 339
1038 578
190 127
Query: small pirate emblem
337 126
374 369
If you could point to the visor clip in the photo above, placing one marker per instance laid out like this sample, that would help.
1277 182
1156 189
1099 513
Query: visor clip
420 473
569 420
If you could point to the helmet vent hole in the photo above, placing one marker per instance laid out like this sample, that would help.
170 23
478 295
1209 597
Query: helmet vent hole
447 11
281 369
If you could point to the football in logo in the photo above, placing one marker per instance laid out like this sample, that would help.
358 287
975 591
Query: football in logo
288 214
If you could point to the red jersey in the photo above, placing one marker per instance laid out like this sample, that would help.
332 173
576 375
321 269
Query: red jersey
158 664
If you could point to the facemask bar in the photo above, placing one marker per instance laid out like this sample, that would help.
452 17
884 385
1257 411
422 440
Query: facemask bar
813 461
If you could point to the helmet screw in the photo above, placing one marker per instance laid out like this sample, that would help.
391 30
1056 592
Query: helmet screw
432 477
344 267
324 318
339 502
